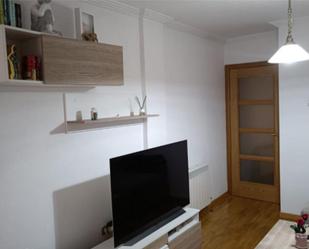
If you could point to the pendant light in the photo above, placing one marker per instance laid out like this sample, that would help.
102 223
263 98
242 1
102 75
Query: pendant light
290 52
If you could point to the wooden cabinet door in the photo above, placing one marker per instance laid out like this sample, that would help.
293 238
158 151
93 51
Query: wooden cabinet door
190 239
68 61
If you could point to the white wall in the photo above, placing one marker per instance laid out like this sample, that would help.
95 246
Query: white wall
250 48
196 101
54 188
53 192
294 119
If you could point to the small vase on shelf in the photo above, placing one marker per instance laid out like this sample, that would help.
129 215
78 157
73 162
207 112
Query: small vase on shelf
142 107
94 114
79 116
131 109
142 112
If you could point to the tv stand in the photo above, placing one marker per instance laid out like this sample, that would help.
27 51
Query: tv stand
183 232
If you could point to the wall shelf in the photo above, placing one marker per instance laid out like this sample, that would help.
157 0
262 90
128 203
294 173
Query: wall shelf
65 62
39 86
75 126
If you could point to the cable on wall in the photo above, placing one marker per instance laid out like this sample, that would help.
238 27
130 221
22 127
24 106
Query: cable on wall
143 70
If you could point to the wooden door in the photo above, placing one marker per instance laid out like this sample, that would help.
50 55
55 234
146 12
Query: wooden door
252 128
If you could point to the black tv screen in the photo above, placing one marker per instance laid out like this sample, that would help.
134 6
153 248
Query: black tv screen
148 189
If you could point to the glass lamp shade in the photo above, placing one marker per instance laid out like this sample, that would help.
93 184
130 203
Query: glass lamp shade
289 53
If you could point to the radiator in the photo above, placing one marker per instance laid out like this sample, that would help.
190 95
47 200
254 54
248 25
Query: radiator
200 187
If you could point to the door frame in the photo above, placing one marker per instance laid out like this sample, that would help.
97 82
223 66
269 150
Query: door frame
228 68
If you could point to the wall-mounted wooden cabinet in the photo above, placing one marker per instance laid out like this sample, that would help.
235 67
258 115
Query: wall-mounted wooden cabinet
80 62
65 63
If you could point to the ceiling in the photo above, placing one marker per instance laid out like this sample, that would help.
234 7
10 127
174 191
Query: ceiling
225 18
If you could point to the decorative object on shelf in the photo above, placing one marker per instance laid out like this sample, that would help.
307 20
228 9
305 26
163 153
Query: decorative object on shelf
131 109
42 17
12 62
12 13
79 116
300 232
7 12
88 33
84 24
142 107
1 12
290 52
90 37
107 230
18 15
87 23
38 66
31 67
94 114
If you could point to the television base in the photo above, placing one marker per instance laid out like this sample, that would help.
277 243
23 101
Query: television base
181 232
165 220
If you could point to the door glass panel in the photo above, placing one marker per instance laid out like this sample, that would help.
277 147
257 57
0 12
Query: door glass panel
256 88
256 116
257 171
256 144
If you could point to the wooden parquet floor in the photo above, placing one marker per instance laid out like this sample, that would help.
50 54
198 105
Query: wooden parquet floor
237 223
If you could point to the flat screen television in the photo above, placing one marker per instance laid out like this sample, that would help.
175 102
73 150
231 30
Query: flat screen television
149 188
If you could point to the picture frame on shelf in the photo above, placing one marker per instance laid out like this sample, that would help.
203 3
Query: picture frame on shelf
87 22
84 23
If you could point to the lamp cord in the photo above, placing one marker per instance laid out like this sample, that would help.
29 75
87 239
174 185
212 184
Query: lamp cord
289 38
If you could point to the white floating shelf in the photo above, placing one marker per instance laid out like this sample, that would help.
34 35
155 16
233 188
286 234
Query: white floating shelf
39 86
74 126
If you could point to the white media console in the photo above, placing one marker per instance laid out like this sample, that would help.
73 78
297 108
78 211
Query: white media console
184 232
